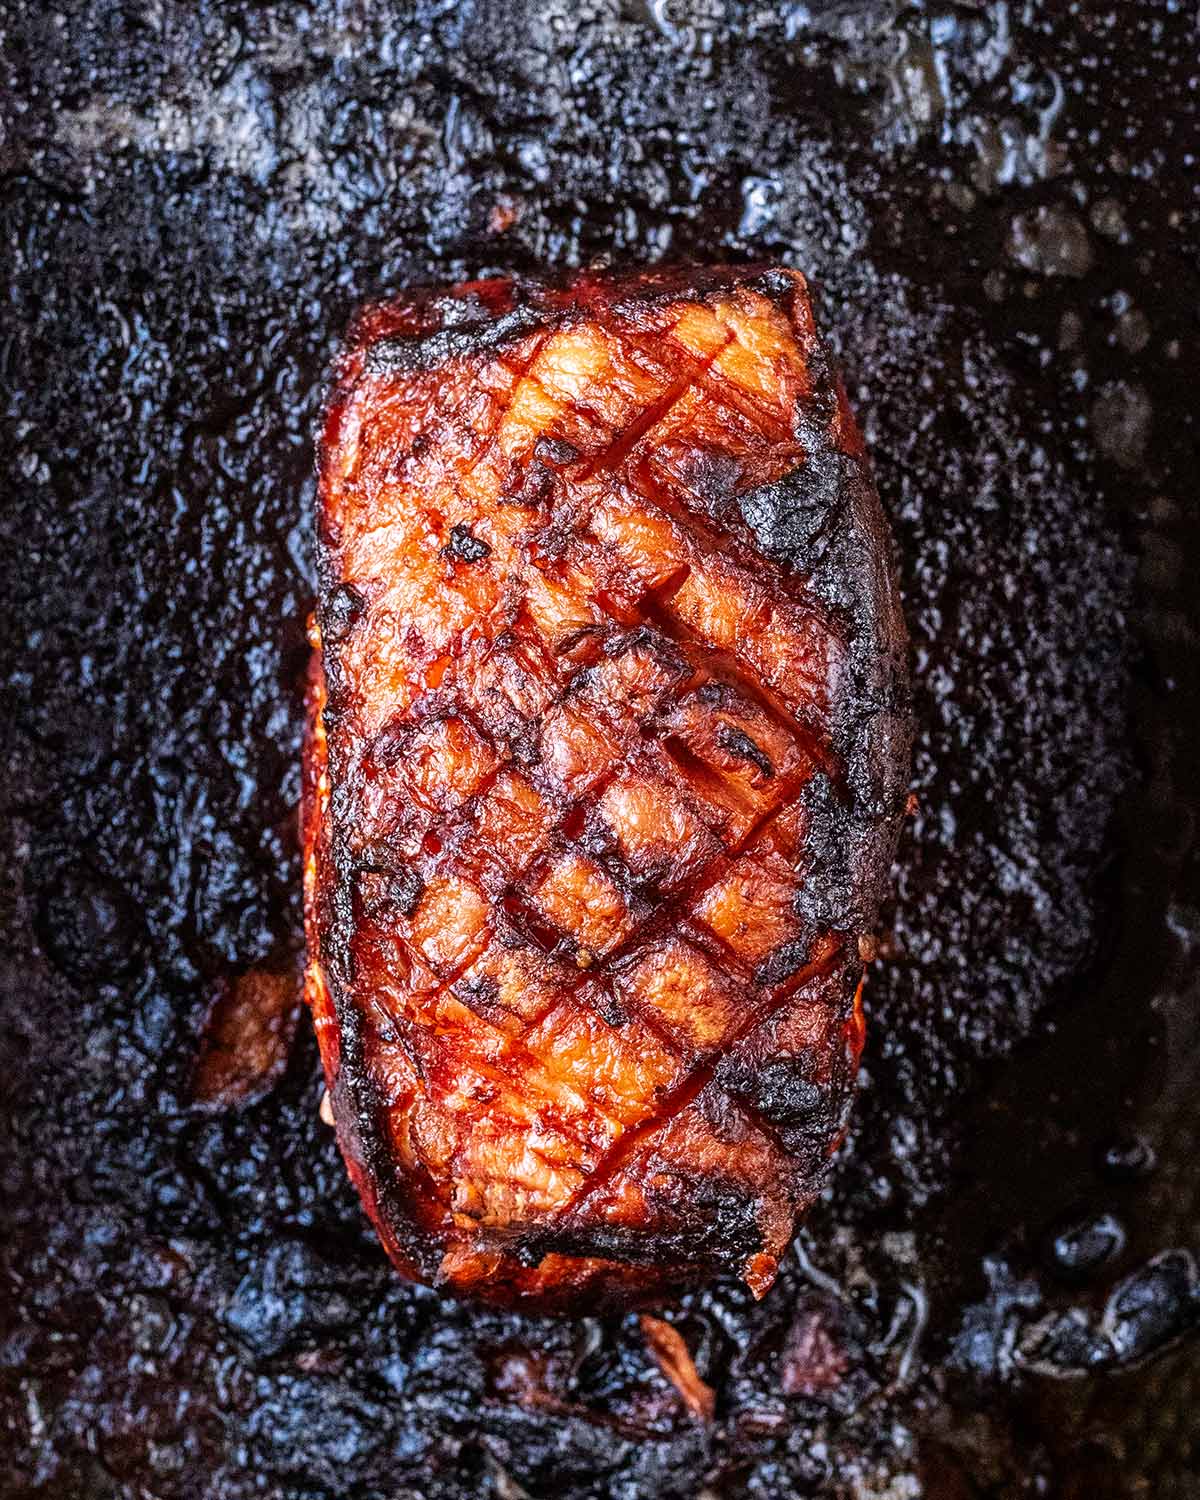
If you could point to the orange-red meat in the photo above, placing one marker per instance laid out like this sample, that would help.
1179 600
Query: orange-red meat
608 747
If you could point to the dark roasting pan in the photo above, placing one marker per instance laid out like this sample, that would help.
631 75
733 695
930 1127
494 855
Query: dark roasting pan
998 203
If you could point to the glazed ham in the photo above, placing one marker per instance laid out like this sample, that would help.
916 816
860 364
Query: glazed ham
607 752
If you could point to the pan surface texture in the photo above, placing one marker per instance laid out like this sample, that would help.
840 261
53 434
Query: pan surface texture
998 204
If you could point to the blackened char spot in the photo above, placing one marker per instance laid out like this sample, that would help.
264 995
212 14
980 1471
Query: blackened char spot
530 487
340 612
555 451
791 1096
702 1221
387 890
464 546
832 898
784 962
805 1136
713 478
776 286
790 515
738 742
822 401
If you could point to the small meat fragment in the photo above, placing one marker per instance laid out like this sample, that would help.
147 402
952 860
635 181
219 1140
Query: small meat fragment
671 1355
247 1039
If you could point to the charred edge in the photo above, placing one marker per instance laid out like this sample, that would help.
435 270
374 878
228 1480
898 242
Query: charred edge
786 962
407 354
364 1141
360 1117
721 1234
475 329
697 283
825 522
791 517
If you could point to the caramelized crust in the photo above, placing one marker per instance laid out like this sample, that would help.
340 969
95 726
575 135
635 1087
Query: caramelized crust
608 745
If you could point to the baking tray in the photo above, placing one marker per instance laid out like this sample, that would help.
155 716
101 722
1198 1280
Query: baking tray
998 205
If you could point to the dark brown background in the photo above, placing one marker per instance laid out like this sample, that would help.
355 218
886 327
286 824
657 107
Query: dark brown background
998 202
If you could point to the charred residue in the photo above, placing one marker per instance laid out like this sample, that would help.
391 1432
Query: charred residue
995 202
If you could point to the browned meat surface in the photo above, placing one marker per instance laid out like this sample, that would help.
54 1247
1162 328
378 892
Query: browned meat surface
608 750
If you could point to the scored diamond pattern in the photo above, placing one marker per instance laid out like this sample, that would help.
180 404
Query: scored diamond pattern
599 722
